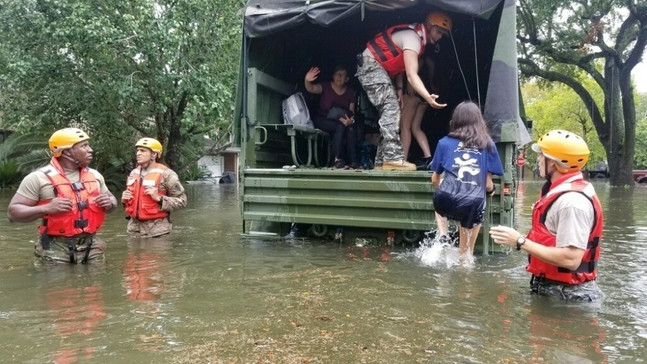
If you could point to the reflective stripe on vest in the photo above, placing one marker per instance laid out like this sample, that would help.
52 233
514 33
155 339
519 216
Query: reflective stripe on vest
142 206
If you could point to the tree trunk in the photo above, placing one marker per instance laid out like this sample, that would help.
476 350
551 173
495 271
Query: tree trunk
620 121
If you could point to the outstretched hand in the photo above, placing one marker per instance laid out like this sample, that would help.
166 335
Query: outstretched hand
312 74
432 102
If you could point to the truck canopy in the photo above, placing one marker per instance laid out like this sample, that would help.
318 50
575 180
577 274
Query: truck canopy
477 62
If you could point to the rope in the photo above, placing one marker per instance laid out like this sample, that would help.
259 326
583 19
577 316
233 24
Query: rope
476 62
451 36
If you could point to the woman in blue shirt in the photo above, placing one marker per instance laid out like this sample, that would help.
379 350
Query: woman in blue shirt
463 164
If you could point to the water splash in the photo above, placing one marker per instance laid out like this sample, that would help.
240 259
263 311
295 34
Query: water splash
437 251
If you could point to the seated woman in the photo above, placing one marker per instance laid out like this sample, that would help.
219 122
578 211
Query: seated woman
335 113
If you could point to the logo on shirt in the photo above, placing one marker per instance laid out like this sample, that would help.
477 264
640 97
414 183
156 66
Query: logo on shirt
466 165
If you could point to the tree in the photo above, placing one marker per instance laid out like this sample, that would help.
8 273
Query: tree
640 159
121 70
555 106
606 39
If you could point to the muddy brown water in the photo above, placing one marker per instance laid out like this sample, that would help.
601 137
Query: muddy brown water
208 295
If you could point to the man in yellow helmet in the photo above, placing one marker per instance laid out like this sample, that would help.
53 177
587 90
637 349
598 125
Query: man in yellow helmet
152 192
71 199
564 240
388 54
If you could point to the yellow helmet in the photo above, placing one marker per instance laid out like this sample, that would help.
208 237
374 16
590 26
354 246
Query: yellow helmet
151 144
567 149
440 19
65 139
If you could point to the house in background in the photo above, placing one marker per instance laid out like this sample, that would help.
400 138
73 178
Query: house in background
220 167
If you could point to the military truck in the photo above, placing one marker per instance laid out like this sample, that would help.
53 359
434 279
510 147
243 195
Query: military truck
285 172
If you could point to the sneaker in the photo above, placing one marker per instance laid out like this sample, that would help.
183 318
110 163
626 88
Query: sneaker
340 164
354 165
423 164
398 166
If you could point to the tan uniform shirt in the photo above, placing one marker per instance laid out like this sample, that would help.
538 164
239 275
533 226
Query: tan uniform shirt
175 199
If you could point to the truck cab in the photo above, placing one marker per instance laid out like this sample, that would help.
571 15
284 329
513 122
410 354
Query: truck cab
286 170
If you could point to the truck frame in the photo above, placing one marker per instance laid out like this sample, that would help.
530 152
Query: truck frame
285 174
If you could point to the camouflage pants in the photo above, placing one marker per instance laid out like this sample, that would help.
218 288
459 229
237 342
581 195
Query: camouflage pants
148 228
59 252
381 93
584 292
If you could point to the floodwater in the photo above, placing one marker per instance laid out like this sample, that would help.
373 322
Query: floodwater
207 295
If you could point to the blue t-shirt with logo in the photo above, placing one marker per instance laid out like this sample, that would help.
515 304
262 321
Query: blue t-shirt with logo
468 165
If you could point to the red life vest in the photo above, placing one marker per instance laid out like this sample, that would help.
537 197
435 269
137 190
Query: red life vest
539 233
142 206
86 216
387 54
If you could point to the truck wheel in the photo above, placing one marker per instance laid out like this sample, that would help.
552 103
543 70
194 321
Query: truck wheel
411 236
643 180
319 230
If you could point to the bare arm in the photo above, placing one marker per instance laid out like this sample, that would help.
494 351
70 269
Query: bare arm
436 179
311 76
411 67
566 257
23 209
489 184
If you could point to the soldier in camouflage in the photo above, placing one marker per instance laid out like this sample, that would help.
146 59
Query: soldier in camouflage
152 192
388 54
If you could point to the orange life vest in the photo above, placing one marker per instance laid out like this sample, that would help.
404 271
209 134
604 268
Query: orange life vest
86 216
142 206
539 233
387 54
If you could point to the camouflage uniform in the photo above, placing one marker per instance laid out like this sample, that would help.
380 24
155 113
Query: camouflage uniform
380 91
175 199
36 186
586 292
58 251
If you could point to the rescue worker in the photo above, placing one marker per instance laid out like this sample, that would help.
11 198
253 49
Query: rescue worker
71 198
388 54
152 192
564 240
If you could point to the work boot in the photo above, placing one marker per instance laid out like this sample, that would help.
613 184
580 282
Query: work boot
398 166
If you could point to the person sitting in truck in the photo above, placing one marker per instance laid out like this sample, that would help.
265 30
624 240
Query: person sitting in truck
388 54
335 113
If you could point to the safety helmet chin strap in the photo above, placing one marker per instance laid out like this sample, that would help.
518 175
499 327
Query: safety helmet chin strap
70 157
152 160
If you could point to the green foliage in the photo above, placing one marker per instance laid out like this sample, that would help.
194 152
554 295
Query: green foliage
19 155
579 42
9 173
120 70
640 158
194 173
558 107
